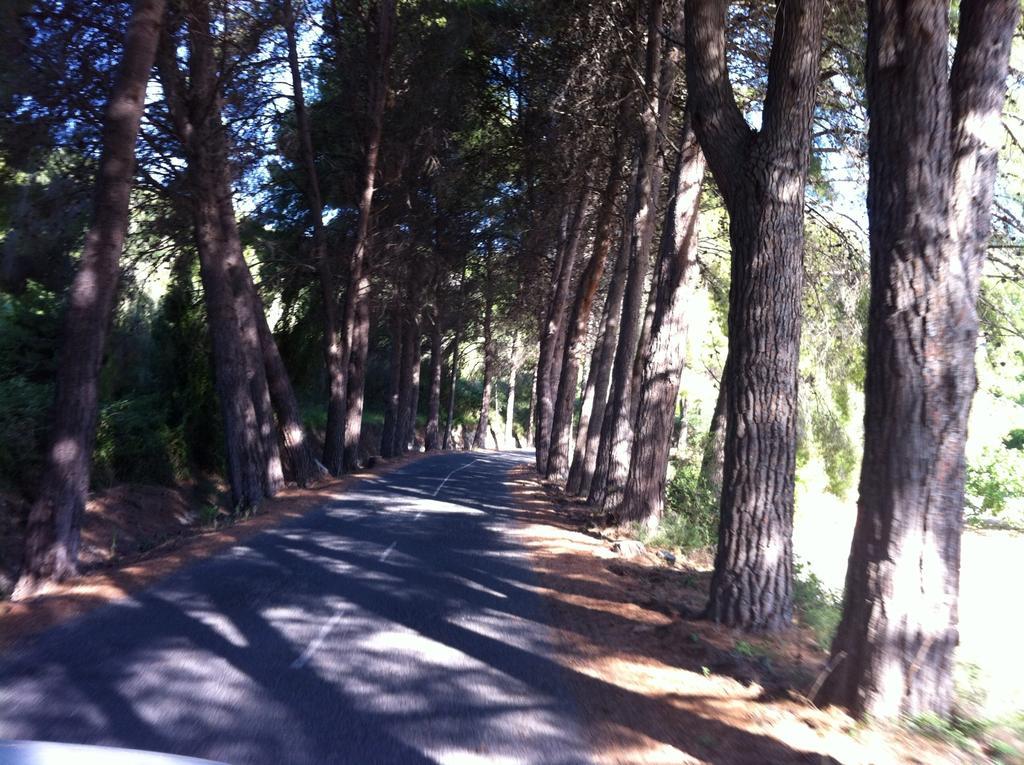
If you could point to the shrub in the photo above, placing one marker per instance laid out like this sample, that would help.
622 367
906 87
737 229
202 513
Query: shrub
819 608
691 511
994 480
24 424
134 444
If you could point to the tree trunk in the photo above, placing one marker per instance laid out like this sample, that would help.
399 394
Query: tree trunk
510 402
482 426
713 460
616 431
301 461
584 460
683 434
247 304
303 464
355 389
408 399
447 442
432 440
334 443
531 418
644 495
54 524
932 155
761 175
389 436
553 338
234 332
561 430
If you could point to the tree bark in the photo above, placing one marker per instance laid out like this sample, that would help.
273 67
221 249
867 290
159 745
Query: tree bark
644 495
408 399
247 306
356 386
553 336
932 155
334 441
449 422
237 352
432 439
761 175
713 460
482 426
590 279
389 436
616 432
54 524
304 466
510 402
584 461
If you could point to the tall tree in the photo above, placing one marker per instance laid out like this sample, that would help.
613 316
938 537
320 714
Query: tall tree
933 144
579 316
660 74
334 438
761 175
644 493
195 106
54 524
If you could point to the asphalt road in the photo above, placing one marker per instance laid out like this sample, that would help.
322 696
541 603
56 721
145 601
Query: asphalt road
397 624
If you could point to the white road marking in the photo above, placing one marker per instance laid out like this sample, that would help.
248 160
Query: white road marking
387 552
303 660
463 467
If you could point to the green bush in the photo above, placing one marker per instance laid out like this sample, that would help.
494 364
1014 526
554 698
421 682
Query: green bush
691 511
24 425
993 481
818 607
135 445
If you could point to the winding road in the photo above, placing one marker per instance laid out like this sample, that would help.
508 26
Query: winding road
396 624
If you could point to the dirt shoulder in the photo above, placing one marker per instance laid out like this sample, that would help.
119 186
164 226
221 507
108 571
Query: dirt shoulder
111 576
656 687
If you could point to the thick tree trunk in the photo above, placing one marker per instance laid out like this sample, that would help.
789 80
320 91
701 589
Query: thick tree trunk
432 439
932 156
301 461
247 308
334 442
590 279
234 331
644 494
483 426
389 436
54 524
617 429
355 389
762 175
553 337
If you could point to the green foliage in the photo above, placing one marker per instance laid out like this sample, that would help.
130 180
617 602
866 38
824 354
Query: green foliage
691 511
134 444
24 409
838 452
961 732
818 607
993 481
28 330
